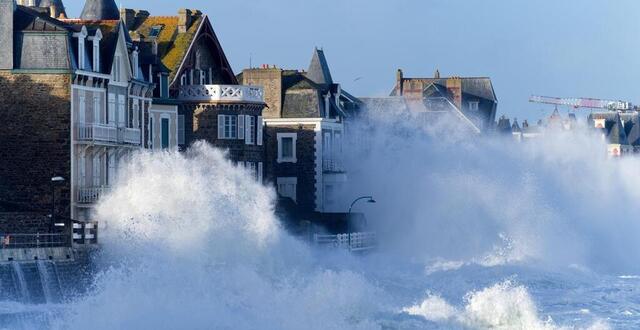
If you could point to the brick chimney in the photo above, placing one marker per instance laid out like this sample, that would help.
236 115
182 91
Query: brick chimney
185 19
7 8
400 82
454 86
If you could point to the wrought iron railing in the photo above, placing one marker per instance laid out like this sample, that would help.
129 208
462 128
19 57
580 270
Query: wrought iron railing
90 195
332 165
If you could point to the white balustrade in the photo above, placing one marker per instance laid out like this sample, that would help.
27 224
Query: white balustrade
354 241
90 195
131 136
97 132
332 165
222 93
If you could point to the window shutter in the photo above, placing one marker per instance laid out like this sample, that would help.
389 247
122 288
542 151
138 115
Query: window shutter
259 129
181 135
260 175
220 126
247 130
241 124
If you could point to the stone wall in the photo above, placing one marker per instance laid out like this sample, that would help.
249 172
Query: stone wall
271 80
305 167
23 223
35 142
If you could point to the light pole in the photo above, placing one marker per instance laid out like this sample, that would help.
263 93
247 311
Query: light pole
55 180
369 200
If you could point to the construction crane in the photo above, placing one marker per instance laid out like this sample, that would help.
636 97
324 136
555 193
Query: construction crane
590 103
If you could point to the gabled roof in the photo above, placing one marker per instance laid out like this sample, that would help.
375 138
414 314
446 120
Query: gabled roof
100 10
110 31
319 69
613 130
631 123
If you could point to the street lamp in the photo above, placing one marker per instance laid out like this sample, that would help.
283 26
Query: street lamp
55 180
369 200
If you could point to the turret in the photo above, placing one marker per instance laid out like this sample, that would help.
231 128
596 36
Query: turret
96 10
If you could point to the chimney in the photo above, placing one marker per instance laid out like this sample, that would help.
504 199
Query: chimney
53 11
400 82
437 74
128 17
141 16
184 20
454 86
7 8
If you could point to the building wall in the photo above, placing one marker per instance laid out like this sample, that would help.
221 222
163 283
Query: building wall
36 138
305 167
203 121
271 80
158 112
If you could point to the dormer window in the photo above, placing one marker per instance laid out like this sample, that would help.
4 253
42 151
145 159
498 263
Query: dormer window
183 79
134 61
203 78
96 50
117 68
82 35
473 105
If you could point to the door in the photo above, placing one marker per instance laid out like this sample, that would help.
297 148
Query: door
165 133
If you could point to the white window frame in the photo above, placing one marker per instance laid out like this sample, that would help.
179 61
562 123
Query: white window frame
474 105
183 79
82 107
294 137
97 118
283 183
203 78
111 120
259 133
223 124
250 130
122 114
241 127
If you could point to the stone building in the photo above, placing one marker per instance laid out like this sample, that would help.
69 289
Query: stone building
73 103
304 127
620 129
471 100
184 58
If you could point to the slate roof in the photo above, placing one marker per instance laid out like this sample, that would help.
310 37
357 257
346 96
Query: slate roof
172 46
477 86
110 31
631 124
319 69
58 3
100 10
613 130
27 19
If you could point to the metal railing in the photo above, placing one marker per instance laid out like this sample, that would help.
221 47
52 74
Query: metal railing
354 241
131 135
332 165
26 241
90 195
97 133
222 93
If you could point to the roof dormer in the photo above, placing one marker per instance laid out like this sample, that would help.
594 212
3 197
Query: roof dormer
82 52
95 39
135 63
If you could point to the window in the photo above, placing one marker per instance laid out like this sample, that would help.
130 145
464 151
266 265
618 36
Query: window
121 110
183 80
96 55
251 167
82 108
203 78
287 147
116 68
97 118
134 61
81 52
164 126
96 170
112 110
227 127
164 86
260 170
181 129
473 105
111 164
327 146
151 137
259 131
135 113
250 123
287 187
82 170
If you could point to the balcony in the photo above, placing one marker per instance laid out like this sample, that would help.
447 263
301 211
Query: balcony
222 93
131 136
90 195
332 165
97 133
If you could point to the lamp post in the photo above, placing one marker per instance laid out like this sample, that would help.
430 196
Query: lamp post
54 180
369 200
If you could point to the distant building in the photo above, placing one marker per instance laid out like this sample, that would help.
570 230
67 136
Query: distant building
621 131
304 130
471 100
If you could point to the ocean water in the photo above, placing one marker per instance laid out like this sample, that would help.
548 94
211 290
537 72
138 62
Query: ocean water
474 234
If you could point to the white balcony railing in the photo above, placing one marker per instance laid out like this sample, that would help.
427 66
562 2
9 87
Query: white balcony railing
131 136
222 93
332 165
90 195
97 132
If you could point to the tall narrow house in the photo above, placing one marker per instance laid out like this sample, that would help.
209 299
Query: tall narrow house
304 128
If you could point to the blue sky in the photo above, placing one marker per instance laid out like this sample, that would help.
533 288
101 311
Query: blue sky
550 47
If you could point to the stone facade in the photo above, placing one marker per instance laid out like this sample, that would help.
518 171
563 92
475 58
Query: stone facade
24 223
36 139
304 169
